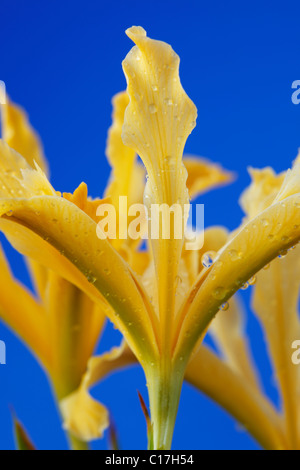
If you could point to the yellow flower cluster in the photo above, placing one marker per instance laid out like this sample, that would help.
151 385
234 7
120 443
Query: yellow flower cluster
163 299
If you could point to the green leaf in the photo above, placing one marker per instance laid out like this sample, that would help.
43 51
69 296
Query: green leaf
22 440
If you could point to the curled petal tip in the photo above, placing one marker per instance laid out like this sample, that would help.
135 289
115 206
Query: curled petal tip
135 31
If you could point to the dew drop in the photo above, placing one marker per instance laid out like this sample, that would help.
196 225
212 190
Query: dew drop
208 258
152 108
283 254
245 286
252 281
224 306
219 293
264 222
267 266
234 255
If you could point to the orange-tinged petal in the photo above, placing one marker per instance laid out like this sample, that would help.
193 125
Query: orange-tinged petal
204 175
80 199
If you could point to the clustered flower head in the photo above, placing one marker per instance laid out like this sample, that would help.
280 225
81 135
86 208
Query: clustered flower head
163 298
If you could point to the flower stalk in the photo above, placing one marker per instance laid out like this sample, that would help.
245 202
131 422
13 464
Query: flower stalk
164 388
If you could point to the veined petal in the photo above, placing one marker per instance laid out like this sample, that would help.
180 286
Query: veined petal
204 175
275 302
85 417
74 325
258 242
65 227
158 120
19 135
52 230
21 312
228 332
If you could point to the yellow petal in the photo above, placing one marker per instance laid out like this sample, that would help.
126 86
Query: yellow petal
158 120
19 135
217 380
291 181
52 231
228 332
83 416
73 233
276 303
204 175
80 199
120 157
262 191
259 241
214 239
74 325
21 312
17 178
127 176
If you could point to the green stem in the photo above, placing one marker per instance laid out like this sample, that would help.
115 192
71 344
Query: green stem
164 387
76 444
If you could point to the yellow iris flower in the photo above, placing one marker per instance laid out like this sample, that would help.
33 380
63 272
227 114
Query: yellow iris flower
164 311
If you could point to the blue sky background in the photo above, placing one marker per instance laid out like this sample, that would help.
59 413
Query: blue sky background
61 60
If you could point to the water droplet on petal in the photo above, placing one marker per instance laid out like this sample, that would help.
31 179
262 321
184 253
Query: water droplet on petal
208 258
283 254
224 306
219 293
152 108
252 281
264 222
234 255
245 286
